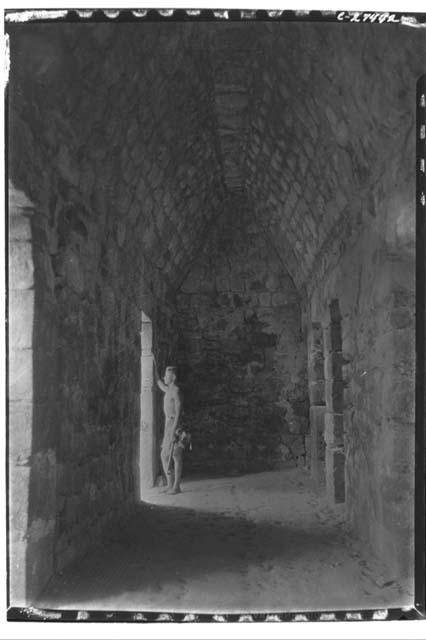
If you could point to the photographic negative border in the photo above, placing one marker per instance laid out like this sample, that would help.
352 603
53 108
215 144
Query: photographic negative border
409 20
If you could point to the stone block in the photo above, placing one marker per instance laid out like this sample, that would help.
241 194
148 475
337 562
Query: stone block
236 283
21 374
19 228
333 363
316 336
272 282
278 299
348 397
223 284
18 570
19 492
20 431
333 429
317 392
21 265
401 318
265 299
146 338
334 397
335 475
347 372
317 443
21 316
399 396
332 338
316 417
316 366
348 417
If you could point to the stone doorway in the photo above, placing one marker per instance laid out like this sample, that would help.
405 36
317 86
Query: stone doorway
334 394
317 402
147 441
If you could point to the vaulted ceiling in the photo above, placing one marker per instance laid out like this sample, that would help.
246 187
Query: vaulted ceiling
316 123
156 125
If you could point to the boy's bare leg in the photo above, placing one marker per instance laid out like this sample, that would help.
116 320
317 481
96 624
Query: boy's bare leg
167 472
178 465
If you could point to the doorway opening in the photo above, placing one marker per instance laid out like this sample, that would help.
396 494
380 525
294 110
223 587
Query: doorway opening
147 436
334 393
317 402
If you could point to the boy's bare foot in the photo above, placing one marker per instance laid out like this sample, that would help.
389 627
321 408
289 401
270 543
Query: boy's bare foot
174 491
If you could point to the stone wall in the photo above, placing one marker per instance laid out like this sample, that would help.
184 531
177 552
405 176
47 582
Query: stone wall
320 131
241 354
330 164
120 179
81 373
370 371
32 455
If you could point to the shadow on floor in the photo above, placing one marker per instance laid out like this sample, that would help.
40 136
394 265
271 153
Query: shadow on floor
159 546
261 542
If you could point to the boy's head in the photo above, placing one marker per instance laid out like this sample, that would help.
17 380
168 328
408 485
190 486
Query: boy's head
170 375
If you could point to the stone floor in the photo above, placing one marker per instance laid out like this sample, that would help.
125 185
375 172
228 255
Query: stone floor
260 542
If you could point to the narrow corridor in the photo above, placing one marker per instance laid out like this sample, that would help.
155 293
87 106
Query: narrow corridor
236 201
259 542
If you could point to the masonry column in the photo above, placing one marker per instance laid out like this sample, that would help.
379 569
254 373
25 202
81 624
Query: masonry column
147 442
317 400
32 457
334 396
20 317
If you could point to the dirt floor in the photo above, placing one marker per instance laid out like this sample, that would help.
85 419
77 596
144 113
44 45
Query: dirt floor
260 542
